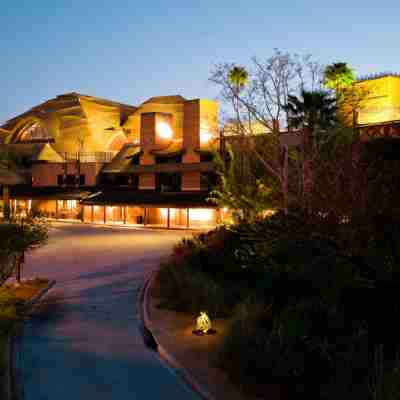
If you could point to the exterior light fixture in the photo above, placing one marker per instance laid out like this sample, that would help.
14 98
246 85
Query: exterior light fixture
203 325
164 131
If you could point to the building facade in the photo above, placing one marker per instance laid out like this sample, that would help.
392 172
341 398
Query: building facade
90 159
93 160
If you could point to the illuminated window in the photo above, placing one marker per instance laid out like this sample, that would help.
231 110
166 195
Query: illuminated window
67 205
164 131
202 215
205 138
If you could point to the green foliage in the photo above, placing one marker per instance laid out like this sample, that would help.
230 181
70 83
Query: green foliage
238 76
242 185
338 76
315 110
17 237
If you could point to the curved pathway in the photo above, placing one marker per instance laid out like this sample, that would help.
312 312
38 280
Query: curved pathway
84 341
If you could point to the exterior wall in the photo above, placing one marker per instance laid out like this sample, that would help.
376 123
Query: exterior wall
209 123
154 217
134 215
114 214
190 181
200 127
154 127
98 214
181 218
134 123
382 100
87 214
46 174
147 182
191 131
147 138
48 207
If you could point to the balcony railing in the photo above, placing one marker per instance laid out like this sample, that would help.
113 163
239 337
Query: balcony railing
90 157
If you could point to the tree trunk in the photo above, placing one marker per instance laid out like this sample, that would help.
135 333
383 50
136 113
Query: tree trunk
6 202
20 263
285 179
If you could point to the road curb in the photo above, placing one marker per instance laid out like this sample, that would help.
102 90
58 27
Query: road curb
155 344
14 387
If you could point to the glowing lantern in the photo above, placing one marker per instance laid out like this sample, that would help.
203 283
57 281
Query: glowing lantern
203 325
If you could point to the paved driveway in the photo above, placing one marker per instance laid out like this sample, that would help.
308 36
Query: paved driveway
84 341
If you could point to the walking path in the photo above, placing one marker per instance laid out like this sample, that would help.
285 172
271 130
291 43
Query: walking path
83 341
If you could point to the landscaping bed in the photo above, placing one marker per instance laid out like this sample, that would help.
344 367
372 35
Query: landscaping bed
13 299
310 304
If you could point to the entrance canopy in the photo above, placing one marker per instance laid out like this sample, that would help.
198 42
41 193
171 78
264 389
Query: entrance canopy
150 199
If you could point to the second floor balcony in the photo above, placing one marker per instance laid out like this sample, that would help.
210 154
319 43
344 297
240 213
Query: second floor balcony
90 157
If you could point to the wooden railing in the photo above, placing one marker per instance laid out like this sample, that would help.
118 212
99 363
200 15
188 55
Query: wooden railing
89 157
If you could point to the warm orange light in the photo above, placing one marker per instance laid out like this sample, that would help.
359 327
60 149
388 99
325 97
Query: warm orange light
164 131
268 213
203 322
201 214
205 137
164 212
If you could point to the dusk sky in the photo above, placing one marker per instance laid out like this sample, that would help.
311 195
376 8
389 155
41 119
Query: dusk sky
129 51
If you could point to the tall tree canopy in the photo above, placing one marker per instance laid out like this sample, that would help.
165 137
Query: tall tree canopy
338 76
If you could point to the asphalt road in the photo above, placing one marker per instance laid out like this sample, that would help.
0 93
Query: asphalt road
84 341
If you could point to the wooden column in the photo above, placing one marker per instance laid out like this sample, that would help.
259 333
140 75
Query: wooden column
124 211
145 217
168 217
187 218
104 210
92 216
56 209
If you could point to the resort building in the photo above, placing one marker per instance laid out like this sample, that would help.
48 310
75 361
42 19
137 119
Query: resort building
95 160
377 105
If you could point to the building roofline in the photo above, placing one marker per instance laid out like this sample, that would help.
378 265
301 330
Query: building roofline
371 77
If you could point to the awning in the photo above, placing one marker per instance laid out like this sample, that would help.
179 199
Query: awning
150 199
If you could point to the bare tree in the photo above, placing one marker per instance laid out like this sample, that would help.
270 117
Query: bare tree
258 97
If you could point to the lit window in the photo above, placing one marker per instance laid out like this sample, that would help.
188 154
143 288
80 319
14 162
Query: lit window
164 131
201 214
205 137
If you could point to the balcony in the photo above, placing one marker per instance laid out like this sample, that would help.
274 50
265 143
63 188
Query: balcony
90 157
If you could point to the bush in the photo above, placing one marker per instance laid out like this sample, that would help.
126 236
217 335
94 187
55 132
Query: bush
313 296
203 273
184 289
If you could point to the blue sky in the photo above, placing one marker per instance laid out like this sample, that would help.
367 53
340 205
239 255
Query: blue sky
128 50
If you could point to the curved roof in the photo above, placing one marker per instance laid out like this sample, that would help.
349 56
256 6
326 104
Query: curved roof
176 99
68 118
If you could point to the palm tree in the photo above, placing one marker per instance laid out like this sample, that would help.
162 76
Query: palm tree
314 114
338 76
315 110
238 76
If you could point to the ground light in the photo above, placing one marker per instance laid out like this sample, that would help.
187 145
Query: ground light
203 325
